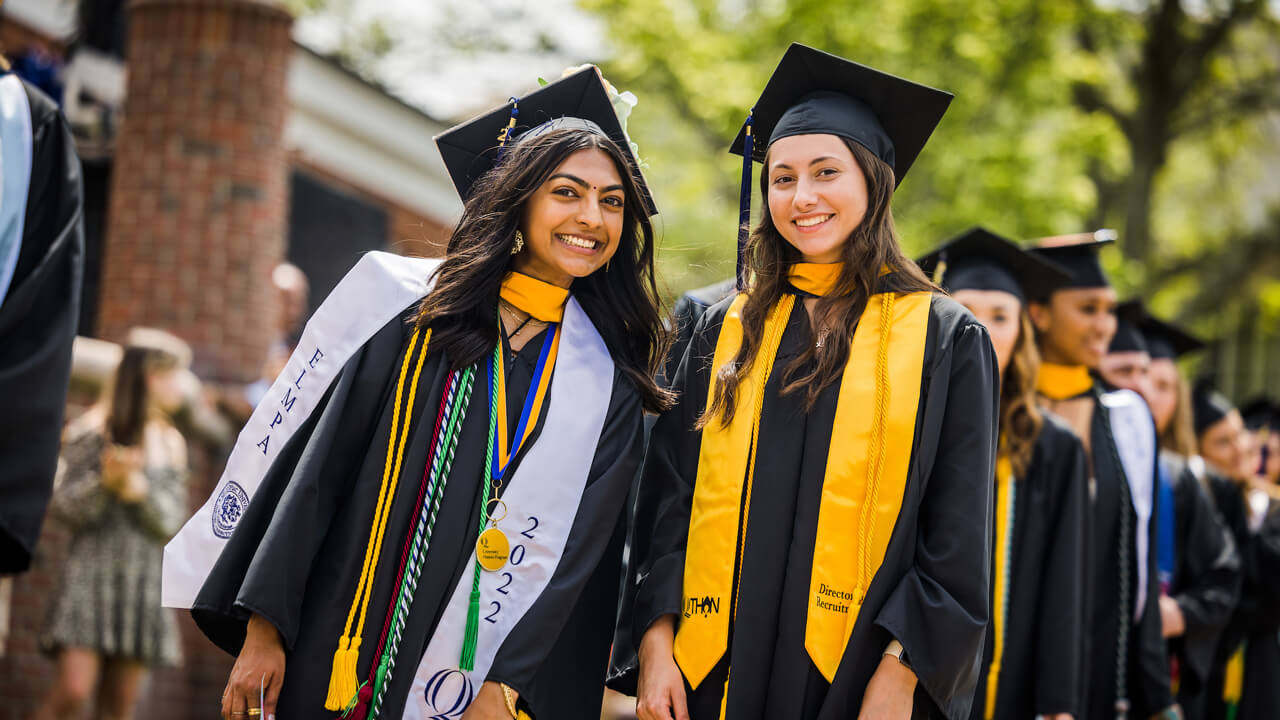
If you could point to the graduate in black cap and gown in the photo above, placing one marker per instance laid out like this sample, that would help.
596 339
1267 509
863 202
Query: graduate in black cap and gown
1243 682
1196 559
41 263
1127 672
812 534
1032 661
422 518
1262 419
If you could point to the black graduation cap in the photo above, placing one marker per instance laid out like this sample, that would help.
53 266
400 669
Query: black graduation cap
979 259
1080 259
1166 340
579 100
1129 337
1261 412
814 92
1208 406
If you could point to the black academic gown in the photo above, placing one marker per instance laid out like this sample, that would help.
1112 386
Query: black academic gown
1256 620
296 555
38 319
1146 661
1205 584
1041 664
932 592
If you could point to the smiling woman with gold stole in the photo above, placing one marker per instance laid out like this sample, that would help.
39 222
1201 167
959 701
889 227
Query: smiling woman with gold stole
440 535
812 535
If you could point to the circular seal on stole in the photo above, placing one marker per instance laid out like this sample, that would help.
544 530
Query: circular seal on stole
493 549
229 508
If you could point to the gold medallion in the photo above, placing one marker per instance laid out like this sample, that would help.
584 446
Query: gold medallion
493 549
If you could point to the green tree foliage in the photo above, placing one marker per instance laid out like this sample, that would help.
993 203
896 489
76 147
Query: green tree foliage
1147 117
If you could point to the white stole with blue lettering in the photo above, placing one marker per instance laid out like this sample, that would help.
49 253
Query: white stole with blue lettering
1135 438
542 498
376 290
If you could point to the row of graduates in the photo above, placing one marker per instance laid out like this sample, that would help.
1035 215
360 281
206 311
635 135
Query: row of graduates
842 502
1206 635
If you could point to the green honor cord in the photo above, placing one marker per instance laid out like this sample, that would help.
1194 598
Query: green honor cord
441 466
468 660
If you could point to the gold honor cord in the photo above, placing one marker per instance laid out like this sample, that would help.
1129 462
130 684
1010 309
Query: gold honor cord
1004 556
343 680
1061 382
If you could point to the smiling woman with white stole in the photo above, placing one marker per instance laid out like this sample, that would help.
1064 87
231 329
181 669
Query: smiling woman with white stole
811 535
438 534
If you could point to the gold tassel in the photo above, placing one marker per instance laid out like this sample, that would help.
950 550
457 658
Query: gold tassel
343 683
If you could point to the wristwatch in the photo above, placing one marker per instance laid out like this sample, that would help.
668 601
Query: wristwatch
898 652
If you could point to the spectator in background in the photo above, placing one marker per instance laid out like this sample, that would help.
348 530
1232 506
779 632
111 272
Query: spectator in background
292 293
122 491
41 260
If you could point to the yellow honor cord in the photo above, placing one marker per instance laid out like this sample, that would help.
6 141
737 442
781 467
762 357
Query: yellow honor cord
542 300
815 278
866 474
1060 382
343 679
1004 547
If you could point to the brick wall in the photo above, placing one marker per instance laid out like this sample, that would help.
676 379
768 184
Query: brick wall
198 200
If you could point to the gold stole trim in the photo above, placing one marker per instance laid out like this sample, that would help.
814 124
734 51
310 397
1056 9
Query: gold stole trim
1061 382
539 298
1004 548
865 446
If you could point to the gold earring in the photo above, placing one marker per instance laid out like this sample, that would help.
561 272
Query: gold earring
518 245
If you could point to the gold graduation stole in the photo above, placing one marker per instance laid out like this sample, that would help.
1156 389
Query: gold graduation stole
1062 382
1004 550
862 491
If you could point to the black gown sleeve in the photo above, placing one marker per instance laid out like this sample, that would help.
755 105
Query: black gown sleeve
266 563
940 608
1209 574
1060 623
38 321
527 660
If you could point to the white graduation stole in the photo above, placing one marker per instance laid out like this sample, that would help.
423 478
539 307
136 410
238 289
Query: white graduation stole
15 160
542 498
377 289
1135 438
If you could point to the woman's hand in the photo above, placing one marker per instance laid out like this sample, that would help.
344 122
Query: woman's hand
1172 623
118 464
259 671
889 694
490 703
660 688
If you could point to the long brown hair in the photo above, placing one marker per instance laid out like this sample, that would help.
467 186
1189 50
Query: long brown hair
1180 434
621 298
872 245
1020 417
128 405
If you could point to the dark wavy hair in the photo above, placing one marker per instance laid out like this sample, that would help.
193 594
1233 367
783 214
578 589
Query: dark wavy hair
1020 416
621 298
872 245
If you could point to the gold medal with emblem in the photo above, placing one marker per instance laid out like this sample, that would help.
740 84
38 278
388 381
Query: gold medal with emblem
492 547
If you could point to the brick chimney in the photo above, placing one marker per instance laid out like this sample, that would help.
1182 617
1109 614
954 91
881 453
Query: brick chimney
198 202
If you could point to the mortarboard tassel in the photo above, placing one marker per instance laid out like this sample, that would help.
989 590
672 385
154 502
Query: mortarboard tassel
744 203
505 135
940 269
